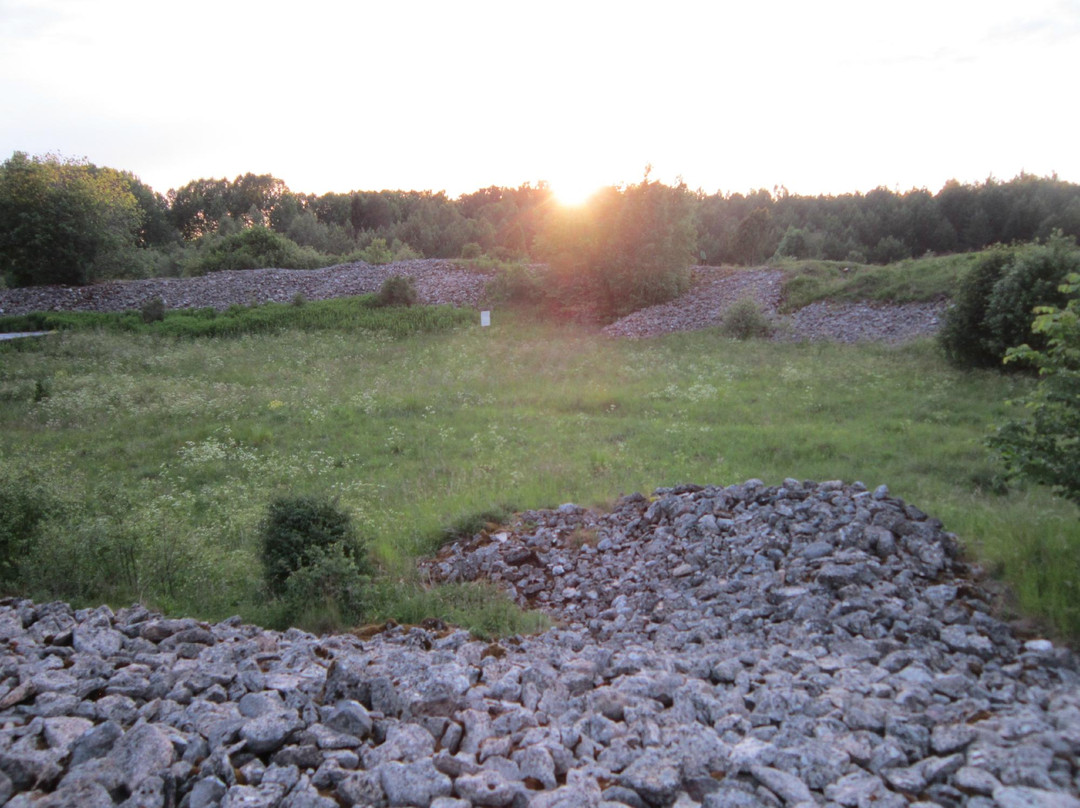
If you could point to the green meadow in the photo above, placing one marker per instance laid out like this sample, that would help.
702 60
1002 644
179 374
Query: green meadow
150 458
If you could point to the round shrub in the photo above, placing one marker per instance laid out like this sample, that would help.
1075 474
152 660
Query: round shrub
471 250
153 310
746 320
993 308
298 531
397 290
255 248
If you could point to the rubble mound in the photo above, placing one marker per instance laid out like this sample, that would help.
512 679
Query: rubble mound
750 645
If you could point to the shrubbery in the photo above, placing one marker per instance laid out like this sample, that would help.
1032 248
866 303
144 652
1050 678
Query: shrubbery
62 221
1045 448
255 248
993 308
625 250
312 556
397 290
516 285
745 320
23 507
153 310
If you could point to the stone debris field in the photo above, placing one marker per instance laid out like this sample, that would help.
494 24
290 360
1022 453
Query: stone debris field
749 646
713 291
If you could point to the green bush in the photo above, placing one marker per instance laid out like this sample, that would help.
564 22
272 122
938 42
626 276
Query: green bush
63 221
471 250
328 592
23 508
153 310
397 290
1045 447
993 307
255 248
745 320
516 285
794 244
300 532
624 250
376 252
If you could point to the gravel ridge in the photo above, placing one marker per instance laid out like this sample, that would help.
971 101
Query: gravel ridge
712 292
809 644
437 281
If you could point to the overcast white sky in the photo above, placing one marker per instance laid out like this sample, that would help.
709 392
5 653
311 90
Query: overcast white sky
824 97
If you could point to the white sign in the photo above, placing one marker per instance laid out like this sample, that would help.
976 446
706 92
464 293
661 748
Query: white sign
485 318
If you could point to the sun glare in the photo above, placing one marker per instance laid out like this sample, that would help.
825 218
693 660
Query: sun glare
573 193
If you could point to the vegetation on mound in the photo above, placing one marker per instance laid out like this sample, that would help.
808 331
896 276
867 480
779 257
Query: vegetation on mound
912 280
144 465
356 315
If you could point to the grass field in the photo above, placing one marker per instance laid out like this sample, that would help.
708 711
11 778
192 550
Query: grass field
155 457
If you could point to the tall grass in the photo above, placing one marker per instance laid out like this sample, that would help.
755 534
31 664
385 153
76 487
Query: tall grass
363 313
912 280
162 454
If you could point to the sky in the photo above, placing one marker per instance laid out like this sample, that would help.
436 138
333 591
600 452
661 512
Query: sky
825 97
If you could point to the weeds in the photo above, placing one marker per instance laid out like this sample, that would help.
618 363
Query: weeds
428 437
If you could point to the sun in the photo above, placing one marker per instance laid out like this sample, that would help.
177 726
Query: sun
573 192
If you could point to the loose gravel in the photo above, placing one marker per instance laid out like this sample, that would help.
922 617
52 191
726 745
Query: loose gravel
749 646
712 292
436 281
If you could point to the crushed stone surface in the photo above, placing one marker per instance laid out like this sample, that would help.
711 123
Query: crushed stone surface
704 305
808 644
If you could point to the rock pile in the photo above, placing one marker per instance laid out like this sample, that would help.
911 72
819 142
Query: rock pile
809 644
437 281
714 290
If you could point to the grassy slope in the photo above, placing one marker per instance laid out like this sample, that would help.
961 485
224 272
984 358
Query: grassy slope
164 453
909 281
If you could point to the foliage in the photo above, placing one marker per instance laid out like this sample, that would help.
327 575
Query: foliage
794 244
255 248
192 439
62 220
353 315
327 591
307 532
471 250
745 320
516 285
23 508
624 250
994 303
377 252
1045 447
909 281
397 290
153 310
754 237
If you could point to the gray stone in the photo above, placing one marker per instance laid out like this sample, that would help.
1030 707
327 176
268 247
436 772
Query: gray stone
971 778
363 788
150 793
655 779
262 796
787 786
1025 797
487 788
269 732
351 718
207 793
415 783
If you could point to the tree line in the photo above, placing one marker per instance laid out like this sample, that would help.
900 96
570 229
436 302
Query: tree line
71 222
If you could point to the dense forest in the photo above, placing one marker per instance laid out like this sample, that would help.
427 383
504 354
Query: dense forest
72 222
